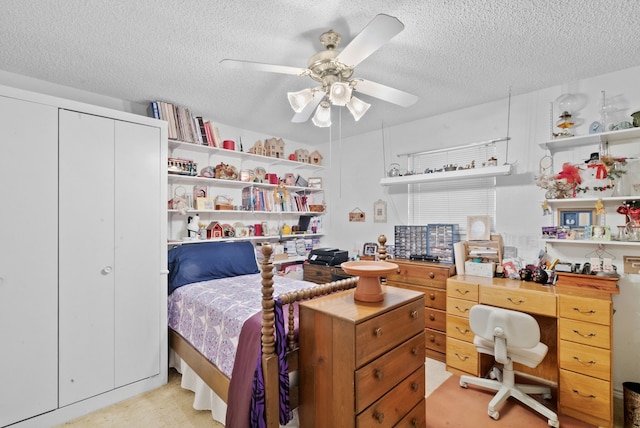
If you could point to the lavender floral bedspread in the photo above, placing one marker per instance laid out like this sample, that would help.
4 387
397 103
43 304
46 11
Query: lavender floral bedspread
210 314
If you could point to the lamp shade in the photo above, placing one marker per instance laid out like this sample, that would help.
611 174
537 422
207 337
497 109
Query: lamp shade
322 118
340 93
299 100
357 107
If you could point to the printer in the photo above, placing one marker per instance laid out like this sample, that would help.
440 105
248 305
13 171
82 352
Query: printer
328 256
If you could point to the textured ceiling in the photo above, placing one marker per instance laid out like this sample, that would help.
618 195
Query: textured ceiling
451 54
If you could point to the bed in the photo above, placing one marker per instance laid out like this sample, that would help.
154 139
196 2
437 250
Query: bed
232 331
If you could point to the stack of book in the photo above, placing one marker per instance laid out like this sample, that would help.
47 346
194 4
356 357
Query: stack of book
183 126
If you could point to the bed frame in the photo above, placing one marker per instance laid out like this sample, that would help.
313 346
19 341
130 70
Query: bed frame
219 382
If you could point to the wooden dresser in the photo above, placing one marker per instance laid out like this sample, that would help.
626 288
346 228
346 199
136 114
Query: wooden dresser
431 279
321 274
575 323
362 364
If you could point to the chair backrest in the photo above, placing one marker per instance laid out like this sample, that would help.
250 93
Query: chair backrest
519 329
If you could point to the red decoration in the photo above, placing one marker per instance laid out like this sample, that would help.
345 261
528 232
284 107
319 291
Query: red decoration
569 172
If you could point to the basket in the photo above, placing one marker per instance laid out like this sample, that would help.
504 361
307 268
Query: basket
316 208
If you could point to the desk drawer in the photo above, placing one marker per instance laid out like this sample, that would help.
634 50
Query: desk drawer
436 340
585 309
587 360
462 290
434 298
462 356
382 374
585 333
395 405
458 328
378 335
435 319
459 307
585 394
519 300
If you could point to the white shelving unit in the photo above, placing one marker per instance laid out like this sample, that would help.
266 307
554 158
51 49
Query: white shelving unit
611 137
460 174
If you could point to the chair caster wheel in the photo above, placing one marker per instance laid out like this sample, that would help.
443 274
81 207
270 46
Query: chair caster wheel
463 384
494 414
546 396
555 424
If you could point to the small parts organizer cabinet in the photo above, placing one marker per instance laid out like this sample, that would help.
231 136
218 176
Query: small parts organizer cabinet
362 364
575 323
431 279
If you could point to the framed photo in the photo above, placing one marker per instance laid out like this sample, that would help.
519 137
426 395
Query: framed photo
380 211
478 228
598 233
200 192
576 219
205 203
315 182
369 251
289 180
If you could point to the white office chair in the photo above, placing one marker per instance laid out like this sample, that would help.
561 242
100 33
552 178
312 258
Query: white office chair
509 336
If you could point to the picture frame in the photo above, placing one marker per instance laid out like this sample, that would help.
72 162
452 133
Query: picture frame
205 203
576 219
380 211
478 228
315 182
598 233
369 251
200 192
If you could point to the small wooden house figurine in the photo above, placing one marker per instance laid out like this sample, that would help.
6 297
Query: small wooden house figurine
315 158
302 155
214 230
258 149
274 147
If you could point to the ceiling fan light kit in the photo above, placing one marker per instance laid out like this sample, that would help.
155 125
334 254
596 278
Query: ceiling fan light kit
334 70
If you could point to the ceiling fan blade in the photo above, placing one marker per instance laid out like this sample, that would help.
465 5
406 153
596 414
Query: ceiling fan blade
379 31
258 66
306 113
386 93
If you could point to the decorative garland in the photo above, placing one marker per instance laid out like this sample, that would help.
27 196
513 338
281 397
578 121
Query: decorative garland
596 188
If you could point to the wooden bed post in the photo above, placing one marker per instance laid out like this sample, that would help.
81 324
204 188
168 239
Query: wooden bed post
269 357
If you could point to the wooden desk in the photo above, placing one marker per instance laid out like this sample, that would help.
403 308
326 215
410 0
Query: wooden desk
575 323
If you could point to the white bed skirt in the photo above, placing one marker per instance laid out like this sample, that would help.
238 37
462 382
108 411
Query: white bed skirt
205 398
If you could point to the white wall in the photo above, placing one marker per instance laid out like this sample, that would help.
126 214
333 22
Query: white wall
359 163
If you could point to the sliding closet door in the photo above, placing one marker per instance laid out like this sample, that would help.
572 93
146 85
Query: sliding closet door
28 260
87 268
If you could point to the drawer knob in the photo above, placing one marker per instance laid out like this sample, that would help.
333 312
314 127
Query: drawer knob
463 310
414 315
465 331
379 416
519 302
575 391
414 422
379 374
586 363
377 332
462 357
414 350
432 275
463 292
432 317
432 338
432 296
584 335
414 386
589 312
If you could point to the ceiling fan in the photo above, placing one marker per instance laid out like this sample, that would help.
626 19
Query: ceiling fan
333 69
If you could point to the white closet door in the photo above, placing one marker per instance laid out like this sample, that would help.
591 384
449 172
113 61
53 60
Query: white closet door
87 265
139 179
28 260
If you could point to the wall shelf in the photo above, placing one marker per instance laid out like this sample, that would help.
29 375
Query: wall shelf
460 174
589 242
610 137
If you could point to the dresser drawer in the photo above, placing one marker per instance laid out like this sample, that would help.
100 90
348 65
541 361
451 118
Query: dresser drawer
435 298
586 360
462 356
395 405
379 334
321 274
379 376
462 290
459 328
585 309
436 340
459 307
585 394
585 333
435 319
430 275
417 417
519 300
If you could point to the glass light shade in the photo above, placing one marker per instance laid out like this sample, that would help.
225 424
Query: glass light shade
299 100
340 93
357 107
322 118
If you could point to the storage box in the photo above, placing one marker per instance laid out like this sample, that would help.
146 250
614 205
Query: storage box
440 240
479 269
